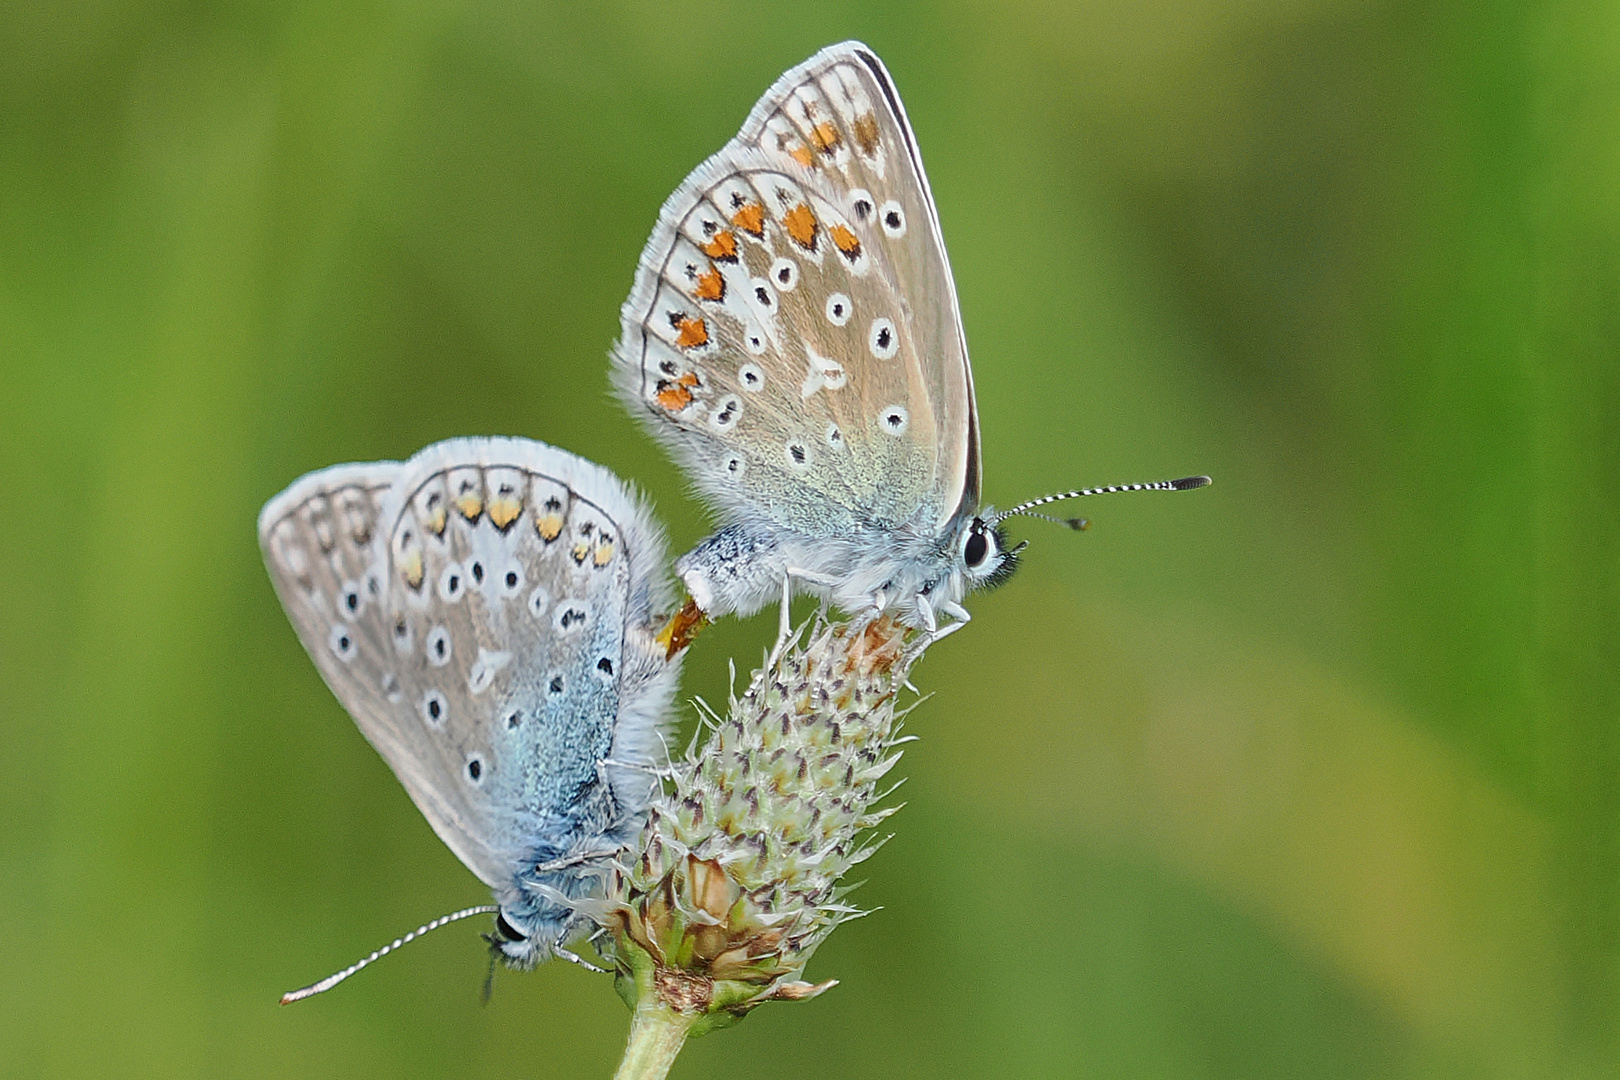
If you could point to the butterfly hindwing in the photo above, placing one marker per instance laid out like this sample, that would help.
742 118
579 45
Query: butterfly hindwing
501 655
793 333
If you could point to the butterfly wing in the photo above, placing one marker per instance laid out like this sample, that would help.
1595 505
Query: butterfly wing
793 334
482 611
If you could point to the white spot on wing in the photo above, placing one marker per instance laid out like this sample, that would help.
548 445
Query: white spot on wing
785 272
838 309
438 646
452 583
538 601
823 373
861 205
892 216
725 414
484 669
341 640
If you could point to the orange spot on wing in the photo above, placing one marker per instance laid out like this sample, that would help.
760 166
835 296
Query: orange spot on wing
750 218
801 225
847 241
672 396
692 333
688 379
710 285
866 133
825 136
723 246
549 525
803 156
411 566
503 511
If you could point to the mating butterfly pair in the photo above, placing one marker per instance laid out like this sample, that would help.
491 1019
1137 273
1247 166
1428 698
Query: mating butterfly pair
488 611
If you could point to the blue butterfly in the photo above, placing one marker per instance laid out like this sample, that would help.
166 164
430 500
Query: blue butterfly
485 612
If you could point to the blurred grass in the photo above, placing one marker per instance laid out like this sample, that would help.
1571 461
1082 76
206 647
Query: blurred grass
1311 774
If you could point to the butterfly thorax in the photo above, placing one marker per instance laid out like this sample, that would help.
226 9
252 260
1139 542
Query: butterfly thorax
741 568
539 909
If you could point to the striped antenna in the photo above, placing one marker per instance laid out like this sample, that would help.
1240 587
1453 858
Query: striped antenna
332 980
1186 483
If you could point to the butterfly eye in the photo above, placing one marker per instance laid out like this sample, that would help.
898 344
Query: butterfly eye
975 550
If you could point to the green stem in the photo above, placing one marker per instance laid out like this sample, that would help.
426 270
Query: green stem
657 1034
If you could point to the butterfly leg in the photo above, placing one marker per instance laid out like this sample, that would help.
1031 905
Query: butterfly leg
603 765
784 629
574 860
955 611
930 623
572 957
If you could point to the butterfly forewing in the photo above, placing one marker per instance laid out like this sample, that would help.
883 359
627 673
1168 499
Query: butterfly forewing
487 659
794 330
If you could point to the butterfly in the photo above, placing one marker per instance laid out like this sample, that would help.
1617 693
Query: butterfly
485 612
793 339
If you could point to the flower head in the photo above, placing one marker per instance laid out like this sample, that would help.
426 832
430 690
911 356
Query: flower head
738 877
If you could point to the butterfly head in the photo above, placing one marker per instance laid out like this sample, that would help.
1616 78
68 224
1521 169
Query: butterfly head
518 948
985 558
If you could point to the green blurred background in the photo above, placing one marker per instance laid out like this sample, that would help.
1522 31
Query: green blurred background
1313 774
